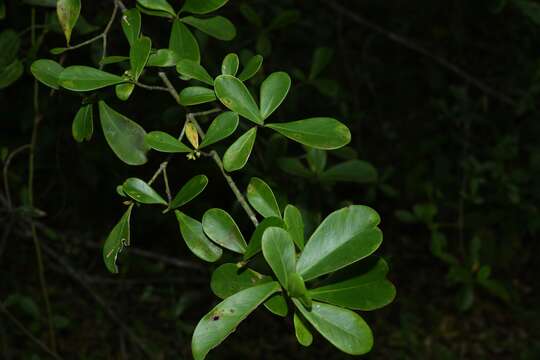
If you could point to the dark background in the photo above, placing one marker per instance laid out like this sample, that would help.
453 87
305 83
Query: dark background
440 96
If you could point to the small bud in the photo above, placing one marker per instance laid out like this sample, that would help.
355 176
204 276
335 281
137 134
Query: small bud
192 135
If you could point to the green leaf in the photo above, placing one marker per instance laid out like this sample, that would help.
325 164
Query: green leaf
356 171
161 141
321 133
85 78
68 12
297 287
228 279
10 44
277 304
223 319
294 224
220 227
274 89
47 72
251 68
261 197
293 166
238 153
163 58
113 59
196 240
217 26
83 124
321 58
344 237
202 7
117 239
183 43
316 159
230 64
254 245
222 127
343 328
234 95
10 73
189 191
58 50
192 69
303 335
195 95
131 25
123 91
250 14
283 19
141 192
365 292
278 250
150 12
138 55
124 136
157 5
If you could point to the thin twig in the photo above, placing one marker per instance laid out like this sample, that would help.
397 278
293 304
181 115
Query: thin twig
166 181
5 171
171 88
411 45
27 333
151 87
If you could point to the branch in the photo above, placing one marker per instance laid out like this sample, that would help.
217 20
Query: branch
170 87
411 45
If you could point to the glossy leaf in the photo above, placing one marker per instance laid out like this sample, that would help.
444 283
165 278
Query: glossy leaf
344 237
278 251
83 124
222 127
131 25
196 240
141 192
58 50
228 279
223 319
356 171
234 95
163 58
365 292
161 141
321 58
320 133
183 43
68 12
261 197
294 225
189 191
192 69
124 136
316 159
274 89
138 55
217 26
220 227
238 153
47 72
117 239
303 335
230 64
123 91
255 241
277 305
195 95
85 78
297 288
343 328
157 5
202 7
10 73
251 68
114 59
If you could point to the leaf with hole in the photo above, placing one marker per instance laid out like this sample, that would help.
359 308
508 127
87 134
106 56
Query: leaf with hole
237 154
191 189
141 192
344 237
124 136
220 227
195 95
83 124
230 64
223 319
274 89
161 141
222 127
196 240
86 78
117 239
47 72
235 96
262 198
192 69
218 27
321 132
